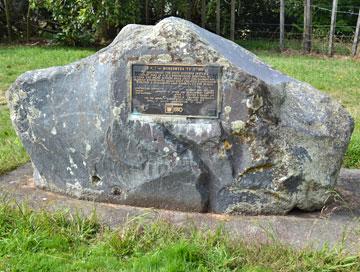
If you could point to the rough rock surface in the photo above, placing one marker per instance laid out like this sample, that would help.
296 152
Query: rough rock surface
278 143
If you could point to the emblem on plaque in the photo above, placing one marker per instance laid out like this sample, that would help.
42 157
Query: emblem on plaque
173 108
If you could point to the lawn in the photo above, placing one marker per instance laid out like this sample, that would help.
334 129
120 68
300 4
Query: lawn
340 77
15 60
60 241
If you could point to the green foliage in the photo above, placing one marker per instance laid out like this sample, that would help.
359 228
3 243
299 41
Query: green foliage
179 8
352 157
16 9
321 18
84 22
88 22
64 241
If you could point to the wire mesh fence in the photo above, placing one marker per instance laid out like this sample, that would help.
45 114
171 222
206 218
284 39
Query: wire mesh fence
266 36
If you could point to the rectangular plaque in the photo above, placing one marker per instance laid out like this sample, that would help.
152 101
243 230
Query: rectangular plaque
175 90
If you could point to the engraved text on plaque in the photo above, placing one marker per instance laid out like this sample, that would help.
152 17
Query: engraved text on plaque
175 90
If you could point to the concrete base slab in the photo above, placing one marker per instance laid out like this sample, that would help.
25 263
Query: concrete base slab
337 225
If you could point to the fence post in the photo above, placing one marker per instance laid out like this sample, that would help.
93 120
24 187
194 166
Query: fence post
282 24
232 20
332 28
218 17
307 26
356 37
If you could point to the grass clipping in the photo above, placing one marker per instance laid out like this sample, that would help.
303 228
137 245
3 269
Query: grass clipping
65 241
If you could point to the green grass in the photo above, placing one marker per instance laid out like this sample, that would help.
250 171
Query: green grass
319 46
12 153
340 77
15 60
60 241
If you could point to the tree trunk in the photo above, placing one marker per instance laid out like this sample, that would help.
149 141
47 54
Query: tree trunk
190 8
203 13
28 23
282 25
218 17
356 37
232 20
332 28
162 9
147 12
7 16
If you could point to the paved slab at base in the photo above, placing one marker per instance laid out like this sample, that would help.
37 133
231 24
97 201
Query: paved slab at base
336 225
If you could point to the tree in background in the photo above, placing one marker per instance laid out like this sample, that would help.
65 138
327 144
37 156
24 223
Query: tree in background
84 22
89 22
7 18
12 19
321 18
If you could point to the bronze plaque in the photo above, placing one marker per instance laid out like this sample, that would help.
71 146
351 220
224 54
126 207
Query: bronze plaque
175 90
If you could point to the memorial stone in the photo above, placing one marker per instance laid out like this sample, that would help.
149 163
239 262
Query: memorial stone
173 116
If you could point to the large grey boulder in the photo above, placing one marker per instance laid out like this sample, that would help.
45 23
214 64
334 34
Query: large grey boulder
278 143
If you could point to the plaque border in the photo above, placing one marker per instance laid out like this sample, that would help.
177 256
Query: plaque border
163 115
